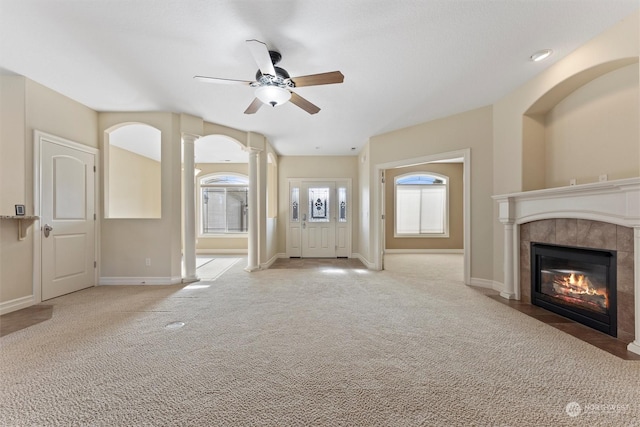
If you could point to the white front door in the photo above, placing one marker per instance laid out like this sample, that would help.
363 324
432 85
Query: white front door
318 211
67 206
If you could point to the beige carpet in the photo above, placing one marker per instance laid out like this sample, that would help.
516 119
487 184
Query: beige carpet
325 347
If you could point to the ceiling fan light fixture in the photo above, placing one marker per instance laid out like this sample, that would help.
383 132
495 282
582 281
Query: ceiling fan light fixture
541 55
273 95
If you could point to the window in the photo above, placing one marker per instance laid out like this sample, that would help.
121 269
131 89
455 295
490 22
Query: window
224 200
342 204
421 206
295 204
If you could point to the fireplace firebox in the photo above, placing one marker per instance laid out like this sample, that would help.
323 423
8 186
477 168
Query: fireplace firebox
577 283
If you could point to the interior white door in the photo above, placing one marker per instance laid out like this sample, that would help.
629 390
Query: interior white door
318 219
67 218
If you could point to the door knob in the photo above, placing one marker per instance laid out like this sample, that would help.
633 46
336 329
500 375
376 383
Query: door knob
47 229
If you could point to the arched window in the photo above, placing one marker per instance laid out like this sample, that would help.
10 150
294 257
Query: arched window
422 205
224 201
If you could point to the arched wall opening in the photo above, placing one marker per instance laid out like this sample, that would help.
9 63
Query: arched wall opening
584 129
218 154
132 171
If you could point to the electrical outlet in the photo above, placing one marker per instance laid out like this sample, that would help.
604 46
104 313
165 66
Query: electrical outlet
572 181
603 177
147 262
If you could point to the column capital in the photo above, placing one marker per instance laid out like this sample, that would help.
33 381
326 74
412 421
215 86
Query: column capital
189 137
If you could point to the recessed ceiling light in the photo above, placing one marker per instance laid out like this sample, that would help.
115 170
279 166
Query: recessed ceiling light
540 55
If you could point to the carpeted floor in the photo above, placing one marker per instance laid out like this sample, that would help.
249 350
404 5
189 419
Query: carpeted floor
332 345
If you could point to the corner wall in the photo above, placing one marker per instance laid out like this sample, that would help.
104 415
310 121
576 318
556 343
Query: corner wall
610 50
27 106
471 129
125 243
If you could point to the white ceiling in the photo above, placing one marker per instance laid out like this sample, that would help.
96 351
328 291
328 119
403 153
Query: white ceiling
405 61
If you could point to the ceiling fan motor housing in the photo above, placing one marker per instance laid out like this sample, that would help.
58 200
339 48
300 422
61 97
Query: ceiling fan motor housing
281 78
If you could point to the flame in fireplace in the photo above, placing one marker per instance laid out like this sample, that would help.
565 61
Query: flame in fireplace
578 284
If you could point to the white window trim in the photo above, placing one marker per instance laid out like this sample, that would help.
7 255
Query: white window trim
444 235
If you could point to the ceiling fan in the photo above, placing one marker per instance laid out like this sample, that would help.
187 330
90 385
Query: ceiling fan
273 84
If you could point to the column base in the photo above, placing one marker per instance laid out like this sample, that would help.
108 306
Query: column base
190 279
252 269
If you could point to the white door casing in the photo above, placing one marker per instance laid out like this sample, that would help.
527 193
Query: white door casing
66 193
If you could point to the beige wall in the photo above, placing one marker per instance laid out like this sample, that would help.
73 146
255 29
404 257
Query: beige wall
125 243
473 130
315 167
134 185
454 172
516 136
27 106
588 131
12 150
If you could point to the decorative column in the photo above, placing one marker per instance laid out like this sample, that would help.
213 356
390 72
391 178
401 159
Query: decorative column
506 217
188 189
252 256
635 345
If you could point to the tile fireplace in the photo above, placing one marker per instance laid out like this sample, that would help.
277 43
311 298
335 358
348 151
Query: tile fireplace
600 219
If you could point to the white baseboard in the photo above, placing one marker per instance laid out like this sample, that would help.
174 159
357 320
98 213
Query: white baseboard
424 251
140 280
16 304
487 284
365 261
634 346
266 265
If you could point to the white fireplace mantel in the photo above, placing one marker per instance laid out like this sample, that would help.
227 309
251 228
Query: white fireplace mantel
616 202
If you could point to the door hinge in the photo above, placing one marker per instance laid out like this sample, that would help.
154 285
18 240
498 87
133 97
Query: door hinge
382 216
94 217
94 169
95 264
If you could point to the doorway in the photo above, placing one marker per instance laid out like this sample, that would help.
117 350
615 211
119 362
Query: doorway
378 205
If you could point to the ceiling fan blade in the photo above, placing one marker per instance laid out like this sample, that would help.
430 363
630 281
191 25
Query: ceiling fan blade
253 107
318 79
260 54
223 81
304 104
